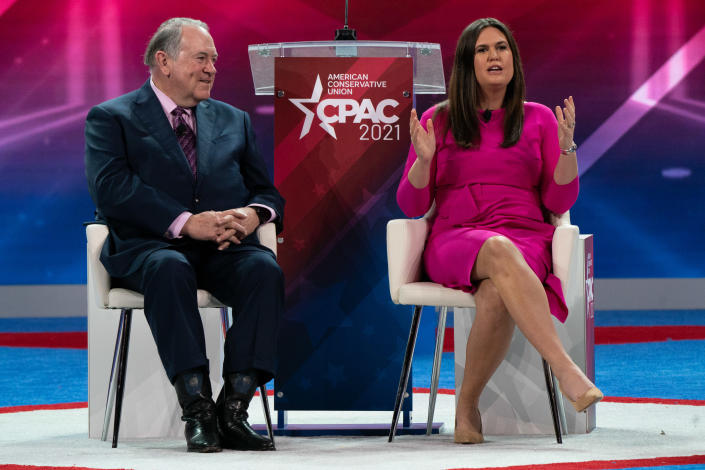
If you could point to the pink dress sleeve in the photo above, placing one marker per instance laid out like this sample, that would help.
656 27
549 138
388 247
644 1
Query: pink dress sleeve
557 198
412 201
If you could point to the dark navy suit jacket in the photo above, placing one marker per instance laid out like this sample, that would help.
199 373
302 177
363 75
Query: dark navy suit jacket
140 180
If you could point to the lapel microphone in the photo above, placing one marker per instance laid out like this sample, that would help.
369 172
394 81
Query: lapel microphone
487 115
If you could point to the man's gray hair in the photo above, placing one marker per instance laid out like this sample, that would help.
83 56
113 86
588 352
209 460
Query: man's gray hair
168 38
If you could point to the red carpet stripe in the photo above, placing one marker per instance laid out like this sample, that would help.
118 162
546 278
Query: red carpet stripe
34 467
646 334
625 334
68 340
441 391
603 335
602 464
448 340
655 401
55 406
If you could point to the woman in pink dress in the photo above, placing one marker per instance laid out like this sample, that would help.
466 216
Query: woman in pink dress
494 165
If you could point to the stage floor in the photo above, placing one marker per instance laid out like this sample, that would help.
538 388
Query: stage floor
628 435
650 365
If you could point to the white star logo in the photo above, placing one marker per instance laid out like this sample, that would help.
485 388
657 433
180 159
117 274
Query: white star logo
315 98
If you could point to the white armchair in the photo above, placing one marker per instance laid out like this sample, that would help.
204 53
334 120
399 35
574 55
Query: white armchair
103 298
406 239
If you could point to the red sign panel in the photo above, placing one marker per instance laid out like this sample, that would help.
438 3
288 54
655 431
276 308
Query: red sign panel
340 126
341 140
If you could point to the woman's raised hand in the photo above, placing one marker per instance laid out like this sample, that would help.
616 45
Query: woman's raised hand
566 123
424 141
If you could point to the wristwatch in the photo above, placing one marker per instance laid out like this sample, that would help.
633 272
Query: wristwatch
263 214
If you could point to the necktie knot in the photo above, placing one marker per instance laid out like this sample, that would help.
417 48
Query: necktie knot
179 111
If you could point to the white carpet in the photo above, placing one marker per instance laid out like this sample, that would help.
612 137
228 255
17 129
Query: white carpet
625 431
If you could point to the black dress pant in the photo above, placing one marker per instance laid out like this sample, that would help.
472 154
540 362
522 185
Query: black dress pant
246 278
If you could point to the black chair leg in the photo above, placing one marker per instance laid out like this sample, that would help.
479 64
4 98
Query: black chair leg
267 416
405 370
548 375
122 368
110 399
435 373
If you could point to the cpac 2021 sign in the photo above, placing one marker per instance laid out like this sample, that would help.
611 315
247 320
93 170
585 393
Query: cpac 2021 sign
335 96
331 110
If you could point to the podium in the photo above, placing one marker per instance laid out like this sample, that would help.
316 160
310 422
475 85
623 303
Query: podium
427 60
341 139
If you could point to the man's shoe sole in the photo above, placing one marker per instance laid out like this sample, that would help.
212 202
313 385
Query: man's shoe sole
240 446
205 450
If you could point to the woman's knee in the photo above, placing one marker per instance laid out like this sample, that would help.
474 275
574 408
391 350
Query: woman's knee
501 254
500 246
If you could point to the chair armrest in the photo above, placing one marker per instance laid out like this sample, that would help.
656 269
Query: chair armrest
559 219
564 247
267 235
98 278
405 243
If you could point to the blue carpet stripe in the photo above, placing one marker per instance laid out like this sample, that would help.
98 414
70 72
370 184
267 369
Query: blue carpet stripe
671 369
31 325
649 317
37 376
602 318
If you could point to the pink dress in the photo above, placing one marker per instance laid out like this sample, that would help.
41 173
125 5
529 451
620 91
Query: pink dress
487 191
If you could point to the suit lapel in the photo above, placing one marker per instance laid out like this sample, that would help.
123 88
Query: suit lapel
151 114
205 121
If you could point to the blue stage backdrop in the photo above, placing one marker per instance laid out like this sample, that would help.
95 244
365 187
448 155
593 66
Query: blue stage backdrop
635 68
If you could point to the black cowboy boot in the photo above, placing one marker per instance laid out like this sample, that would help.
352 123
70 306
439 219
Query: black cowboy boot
232 404
196 399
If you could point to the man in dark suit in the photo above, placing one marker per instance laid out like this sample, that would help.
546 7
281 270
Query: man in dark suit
178 179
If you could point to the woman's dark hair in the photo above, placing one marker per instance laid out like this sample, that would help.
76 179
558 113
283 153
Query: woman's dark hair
464 92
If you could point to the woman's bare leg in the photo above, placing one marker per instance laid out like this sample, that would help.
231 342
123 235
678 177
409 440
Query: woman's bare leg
525 299
488 342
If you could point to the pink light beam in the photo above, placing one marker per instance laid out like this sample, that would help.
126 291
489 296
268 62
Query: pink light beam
76 53
5 5
112 50
642 100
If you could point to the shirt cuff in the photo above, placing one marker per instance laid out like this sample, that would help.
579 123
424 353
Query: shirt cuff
272 214
174 230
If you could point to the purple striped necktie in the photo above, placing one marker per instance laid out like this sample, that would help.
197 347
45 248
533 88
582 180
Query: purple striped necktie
186 138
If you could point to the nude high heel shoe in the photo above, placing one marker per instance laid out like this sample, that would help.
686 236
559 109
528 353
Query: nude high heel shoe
467 436
586 400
